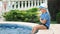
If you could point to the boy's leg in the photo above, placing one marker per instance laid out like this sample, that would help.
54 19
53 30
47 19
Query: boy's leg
41 27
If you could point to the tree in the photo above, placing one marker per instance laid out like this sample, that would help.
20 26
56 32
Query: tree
52 5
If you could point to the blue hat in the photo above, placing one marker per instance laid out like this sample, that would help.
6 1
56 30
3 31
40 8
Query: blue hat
43 5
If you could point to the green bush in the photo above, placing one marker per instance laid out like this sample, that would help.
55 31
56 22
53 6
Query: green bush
58 17
22 15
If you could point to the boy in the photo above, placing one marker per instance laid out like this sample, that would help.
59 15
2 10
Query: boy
44 19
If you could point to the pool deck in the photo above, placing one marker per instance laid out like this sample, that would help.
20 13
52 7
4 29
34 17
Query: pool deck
54 28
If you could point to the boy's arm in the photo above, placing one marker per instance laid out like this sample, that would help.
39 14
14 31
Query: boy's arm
42 21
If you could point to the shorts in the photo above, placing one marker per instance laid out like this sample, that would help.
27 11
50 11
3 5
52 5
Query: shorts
45 25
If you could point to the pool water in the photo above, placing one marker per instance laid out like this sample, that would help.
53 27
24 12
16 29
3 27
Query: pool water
15 29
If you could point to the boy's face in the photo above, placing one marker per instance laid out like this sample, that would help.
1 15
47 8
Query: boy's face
43 10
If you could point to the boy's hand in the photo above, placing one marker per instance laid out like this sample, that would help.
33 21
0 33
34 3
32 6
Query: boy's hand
42 21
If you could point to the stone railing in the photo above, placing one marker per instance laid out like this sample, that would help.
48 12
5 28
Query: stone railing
23 4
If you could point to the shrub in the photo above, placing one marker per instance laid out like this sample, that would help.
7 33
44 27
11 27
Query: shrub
58 17
22 15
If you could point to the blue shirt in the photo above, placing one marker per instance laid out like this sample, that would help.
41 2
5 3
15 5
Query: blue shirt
46 16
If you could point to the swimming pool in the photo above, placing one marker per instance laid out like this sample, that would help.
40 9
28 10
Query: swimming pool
9 28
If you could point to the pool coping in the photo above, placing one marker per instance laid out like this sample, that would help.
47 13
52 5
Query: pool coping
54 27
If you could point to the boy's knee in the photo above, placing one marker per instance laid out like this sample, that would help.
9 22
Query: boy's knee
35 28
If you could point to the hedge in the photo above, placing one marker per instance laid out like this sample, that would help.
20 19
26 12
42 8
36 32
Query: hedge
58 17
22 15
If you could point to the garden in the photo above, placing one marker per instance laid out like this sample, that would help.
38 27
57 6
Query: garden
29 15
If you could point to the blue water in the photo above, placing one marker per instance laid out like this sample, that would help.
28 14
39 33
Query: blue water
14 29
